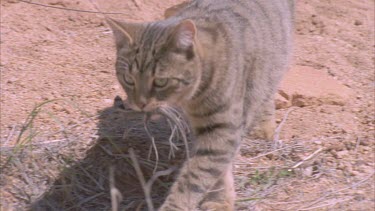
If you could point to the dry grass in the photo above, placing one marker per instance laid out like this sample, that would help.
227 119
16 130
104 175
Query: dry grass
76 172
118 166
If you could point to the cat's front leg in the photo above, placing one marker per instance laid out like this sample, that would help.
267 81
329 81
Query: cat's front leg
209 170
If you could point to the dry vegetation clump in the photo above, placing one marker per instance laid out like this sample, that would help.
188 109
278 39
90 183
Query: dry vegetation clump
100 174
75 173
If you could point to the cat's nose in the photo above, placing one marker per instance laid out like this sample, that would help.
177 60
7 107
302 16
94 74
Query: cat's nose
142 102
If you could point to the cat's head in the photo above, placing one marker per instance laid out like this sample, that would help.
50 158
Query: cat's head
157 63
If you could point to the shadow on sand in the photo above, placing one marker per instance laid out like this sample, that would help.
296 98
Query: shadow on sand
85 185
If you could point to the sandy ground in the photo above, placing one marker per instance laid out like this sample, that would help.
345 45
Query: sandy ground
66 60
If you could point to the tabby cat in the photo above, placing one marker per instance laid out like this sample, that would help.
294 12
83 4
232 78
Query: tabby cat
221 62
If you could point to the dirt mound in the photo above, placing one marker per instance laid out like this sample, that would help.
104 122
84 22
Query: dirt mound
305 86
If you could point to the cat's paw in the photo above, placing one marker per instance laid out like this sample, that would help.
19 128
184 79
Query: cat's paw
265 131
217 206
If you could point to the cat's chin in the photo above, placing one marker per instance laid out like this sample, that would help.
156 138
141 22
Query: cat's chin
155 116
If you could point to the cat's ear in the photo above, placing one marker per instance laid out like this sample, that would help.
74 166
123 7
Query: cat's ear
184 35
124 33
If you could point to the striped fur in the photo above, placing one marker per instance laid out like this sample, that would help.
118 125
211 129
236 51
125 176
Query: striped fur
221 61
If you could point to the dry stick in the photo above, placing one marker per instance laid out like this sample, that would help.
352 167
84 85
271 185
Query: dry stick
325 205
170 114
28 180
90 176
138 170
146 119
280 126
4 148
135 3
267 153
116 196
159 174
73 126
307 158
70 9
170 140
338 191
10 135
357 145
85 201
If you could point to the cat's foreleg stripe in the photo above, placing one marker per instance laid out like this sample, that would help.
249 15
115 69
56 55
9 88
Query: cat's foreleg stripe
192 175
200 131
220 160
214 172
194 187
233 142
217 108
210 152
182 184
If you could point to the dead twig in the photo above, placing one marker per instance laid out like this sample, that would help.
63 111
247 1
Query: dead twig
325 196
142 180
136 3
171 144
146 119
10 135
116 196
307 158
70 9
147 187
358 142
159 174
173 115
271 152
328 204
276 136
5 148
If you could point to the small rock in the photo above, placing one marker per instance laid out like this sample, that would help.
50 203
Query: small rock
58 3
270 156
338 146
56 107
342 154
359 197
358 22
360 163
308 171
108 101
364 142
318 142
334 153
349 145
281 102
284 94
299 100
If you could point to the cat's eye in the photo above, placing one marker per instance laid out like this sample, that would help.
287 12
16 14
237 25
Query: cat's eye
161 82
128 80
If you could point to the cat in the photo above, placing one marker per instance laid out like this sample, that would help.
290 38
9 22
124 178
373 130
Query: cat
219 60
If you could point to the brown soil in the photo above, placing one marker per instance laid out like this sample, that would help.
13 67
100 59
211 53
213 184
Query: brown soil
66 59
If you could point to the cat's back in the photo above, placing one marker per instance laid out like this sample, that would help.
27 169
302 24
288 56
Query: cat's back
266 22
251 9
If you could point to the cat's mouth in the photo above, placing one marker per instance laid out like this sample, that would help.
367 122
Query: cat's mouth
146 105
150 110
